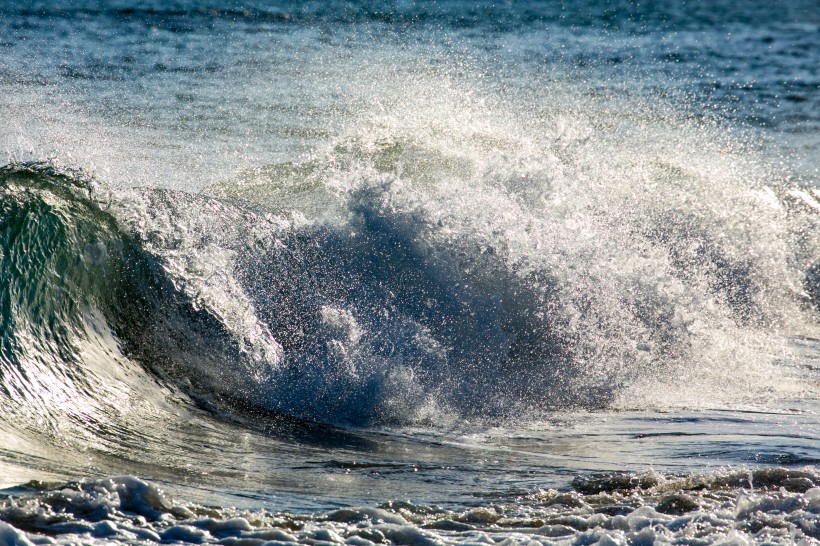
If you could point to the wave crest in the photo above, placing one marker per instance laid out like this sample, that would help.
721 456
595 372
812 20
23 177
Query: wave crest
355 292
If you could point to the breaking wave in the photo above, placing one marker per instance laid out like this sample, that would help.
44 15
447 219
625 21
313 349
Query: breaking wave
425 269
352 292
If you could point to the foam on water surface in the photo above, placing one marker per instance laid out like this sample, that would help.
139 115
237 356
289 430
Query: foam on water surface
774 506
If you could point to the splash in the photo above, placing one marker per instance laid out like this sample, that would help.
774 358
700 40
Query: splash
452 256
492 261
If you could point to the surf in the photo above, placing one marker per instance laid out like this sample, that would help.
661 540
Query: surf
400 301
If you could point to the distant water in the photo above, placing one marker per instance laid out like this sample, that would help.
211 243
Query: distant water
409 273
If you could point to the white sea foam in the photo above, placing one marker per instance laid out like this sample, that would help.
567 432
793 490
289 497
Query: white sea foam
782 509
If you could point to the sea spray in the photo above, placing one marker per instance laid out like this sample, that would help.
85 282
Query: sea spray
370 293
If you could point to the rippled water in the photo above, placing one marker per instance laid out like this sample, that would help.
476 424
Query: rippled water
415 274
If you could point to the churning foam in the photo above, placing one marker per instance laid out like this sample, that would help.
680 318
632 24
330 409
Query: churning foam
477 252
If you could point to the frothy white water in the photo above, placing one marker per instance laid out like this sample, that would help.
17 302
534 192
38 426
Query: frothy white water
462 252
455 227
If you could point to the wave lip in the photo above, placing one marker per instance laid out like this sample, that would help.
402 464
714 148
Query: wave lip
104 337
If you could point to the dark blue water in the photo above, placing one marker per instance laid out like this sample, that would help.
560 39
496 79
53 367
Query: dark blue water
263 82
409 273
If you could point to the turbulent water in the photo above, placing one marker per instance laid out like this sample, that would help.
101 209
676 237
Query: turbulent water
446 273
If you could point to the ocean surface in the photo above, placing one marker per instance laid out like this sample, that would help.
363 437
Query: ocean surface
411 273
